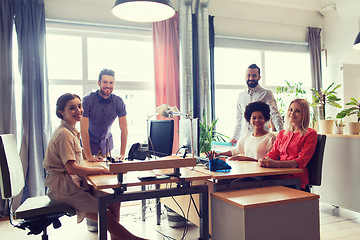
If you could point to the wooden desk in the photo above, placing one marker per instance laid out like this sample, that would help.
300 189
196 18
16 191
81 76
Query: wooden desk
130 179
270 213
107 181
242 169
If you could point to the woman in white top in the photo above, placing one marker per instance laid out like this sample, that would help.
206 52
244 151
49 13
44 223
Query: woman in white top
65 173
257 144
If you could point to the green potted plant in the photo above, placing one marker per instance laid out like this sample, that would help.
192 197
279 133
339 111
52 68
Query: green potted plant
339 126
321 99
353 127
208 134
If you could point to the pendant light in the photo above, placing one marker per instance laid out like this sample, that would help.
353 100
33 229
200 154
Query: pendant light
357 42
143 10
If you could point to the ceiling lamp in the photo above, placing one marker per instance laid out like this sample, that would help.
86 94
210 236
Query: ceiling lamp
357 42
143 10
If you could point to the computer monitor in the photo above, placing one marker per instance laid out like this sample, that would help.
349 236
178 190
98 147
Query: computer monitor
161 137
185 135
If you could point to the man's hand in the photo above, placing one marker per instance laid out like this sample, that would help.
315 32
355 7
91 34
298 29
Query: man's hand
233 142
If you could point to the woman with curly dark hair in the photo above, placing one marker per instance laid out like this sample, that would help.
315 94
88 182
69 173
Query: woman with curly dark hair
257 144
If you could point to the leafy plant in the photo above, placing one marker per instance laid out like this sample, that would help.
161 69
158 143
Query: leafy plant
339 123
323 97
208 134
292 90
352 110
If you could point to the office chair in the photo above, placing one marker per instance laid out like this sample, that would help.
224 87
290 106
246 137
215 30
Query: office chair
315 164
35 213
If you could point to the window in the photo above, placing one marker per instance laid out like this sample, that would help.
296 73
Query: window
125 56
75 59
64 57
290 66
229 64
278 62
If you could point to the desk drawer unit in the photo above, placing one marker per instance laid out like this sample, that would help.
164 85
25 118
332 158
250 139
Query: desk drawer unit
271 213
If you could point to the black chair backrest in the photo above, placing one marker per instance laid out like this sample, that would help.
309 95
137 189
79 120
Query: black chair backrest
315 164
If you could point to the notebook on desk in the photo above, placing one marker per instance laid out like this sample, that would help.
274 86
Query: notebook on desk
221 146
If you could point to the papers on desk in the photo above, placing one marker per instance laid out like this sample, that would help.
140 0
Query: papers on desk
221 146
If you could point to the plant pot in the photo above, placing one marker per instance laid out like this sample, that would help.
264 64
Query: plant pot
326 126
353 128
338 129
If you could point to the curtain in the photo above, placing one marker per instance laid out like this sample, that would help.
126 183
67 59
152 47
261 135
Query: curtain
167 77
314 40
30 29
195 69
7 113
212 72
7 104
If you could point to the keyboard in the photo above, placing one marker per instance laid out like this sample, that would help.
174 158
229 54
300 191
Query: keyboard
147 178
202 160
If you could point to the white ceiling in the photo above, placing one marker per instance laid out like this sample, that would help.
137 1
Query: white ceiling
98 11
222 5
310 5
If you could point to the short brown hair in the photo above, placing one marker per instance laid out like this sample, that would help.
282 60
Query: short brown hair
62 101
108 72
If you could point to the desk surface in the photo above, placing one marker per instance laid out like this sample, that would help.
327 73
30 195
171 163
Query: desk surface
151 164
131 178
242 169
263 196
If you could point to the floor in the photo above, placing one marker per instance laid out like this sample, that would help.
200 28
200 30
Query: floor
335 223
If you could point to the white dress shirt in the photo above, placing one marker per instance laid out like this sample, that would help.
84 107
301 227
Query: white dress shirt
253 95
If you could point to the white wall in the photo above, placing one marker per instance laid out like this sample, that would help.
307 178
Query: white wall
89 11
259 21
339 33
232 17
351 85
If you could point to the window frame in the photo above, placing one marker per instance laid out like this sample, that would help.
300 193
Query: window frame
226 124
86 31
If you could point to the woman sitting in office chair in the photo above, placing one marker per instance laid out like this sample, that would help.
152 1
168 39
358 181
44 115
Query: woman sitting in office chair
62 162
257 144
295 145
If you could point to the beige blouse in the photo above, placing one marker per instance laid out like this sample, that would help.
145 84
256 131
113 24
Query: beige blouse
63 146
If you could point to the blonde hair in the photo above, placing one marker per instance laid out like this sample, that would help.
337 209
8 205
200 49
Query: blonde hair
305 121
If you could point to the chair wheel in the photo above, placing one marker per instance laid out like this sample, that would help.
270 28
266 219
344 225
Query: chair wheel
56 224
